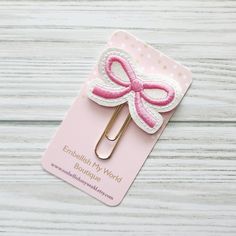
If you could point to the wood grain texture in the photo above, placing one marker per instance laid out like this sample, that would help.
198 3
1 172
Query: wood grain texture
187 185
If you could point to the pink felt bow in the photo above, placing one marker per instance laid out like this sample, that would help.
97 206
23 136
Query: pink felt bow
136 85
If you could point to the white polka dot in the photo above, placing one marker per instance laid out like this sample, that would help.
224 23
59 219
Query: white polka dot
123 45
175 66
148 55
139 49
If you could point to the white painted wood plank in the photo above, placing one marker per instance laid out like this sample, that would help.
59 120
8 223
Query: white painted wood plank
191 145
48 50
43 89
186 185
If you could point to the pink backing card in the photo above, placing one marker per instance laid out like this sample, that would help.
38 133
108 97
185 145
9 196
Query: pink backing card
85 121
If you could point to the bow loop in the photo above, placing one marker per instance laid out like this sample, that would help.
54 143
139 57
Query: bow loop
170 93
126 67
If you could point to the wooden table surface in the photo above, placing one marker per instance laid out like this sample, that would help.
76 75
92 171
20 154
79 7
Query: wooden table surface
188 184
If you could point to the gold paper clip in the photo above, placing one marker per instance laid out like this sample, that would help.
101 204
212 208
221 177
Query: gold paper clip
117 137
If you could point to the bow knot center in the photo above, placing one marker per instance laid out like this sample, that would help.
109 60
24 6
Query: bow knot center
137 85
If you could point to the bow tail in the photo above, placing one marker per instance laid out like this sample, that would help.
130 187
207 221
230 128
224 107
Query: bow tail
143 113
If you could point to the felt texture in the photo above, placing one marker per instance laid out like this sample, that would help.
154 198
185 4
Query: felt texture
113 90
